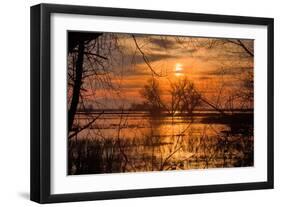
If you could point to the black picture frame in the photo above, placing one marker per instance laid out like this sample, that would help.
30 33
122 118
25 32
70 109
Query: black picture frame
41 96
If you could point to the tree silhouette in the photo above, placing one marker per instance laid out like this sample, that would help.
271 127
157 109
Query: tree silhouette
151 92
77 40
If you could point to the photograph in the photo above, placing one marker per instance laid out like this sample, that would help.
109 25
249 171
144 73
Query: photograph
154 102
133 103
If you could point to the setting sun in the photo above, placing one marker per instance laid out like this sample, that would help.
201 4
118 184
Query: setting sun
178 67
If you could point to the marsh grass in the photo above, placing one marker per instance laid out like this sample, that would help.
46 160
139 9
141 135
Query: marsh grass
151 152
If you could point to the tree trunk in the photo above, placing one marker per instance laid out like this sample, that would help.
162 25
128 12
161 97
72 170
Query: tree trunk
77 85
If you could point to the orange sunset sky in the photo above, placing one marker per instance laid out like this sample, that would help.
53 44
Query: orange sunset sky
217 68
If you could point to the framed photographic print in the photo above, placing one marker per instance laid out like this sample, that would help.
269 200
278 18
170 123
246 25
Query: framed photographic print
132 103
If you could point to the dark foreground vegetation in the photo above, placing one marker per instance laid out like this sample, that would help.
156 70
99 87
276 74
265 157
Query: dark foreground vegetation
151 152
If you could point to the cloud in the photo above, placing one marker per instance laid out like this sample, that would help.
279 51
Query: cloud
136 71
158 56
172 45
228 71
151 57
185 50
163 43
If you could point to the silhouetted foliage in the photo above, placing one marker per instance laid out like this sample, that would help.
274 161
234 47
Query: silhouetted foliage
185 97
151 92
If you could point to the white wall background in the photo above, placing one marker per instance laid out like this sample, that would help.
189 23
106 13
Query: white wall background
14 102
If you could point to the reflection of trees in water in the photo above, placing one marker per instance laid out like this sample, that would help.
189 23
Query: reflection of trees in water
155 150
221 150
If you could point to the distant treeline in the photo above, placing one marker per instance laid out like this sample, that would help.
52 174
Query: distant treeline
89 110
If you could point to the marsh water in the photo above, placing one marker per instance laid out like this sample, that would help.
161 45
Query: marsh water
135 141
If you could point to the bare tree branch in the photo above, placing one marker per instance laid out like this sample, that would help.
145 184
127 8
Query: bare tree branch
94 54
245 48
242 45
85 127
145 58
